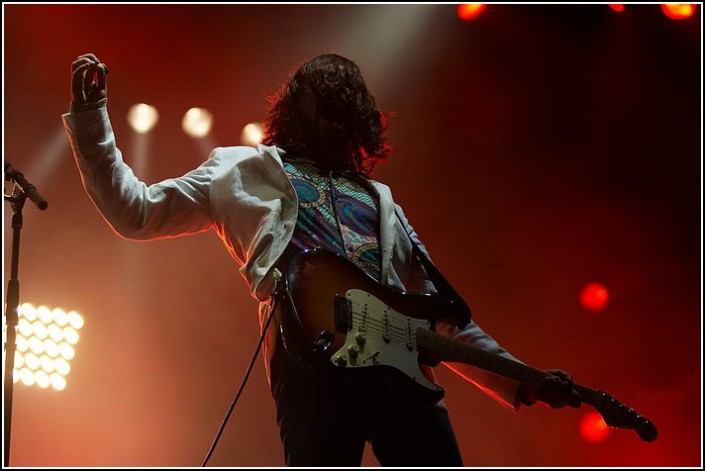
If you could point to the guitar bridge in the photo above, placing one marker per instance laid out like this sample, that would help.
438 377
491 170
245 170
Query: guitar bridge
342 308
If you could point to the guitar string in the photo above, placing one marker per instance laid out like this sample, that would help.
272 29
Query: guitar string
374 321
394 338
377 328
402 330
399 333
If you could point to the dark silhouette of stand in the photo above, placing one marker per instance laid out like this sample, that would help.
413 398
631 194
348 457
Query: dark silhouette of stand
21 191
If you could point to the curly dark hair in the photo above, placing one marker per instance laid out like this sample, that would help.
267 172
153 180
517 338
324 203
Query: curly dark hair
343 100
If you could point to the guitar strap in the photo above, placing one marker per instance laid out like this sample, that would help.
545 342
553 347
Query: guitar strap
442 285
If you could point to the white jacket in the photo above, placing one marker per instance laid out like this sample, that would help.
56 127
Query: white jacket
244 194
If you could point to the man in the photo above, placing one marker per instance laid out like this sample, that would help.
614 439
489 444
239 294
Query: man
307 187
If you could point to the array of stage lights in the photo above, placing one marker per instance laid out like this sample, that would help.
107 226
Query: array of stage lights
46 342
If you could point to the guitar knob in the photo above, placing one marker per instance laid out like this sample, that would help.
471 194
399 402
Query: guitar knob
360 338
353 350
340 360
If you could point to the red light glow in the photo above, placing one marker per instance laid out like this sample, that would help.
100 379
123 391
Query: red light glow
678 11
593 428
617 6
594 297
468 11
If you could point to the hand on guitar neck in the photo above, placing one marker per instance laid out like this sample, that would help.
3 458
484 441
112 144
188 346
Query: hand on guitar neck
556 391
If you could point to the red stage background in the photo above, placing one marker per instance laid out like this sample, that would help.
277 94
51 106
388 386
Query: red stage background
538 148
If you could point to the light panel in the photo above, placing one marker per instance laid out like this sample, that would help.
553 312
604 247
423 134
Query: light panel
46 340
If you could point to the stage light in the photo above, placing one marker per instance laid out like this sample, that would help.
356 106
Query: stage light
142 117
45 345
70 335
252 134
60 317
57 381
46 363
42 379
594 297
62 366
29 313
197 122
24 328
22 344
593 428
36 345
31 360
19 362
678 11
40 330
44 314
51 348
55 332
26 376
75 319
468 11
66 351
617 6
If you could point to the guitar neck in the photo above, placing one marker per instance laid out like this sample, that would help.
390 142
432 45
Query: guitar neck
448 349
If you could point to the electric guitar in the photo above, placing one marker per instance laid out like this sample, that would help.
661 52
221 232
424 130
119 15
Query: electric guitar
341 316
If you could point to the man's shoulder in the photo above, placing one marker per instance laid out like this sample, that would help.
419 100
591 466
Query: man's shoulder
379 185
239 153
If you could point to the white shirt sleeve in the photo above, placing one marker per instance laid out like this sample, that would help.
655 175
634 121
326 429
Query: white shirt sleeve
503 390
173 207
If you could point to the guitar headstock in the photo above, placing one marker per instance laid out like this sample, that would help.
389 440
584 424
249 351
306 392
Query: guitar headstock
616 414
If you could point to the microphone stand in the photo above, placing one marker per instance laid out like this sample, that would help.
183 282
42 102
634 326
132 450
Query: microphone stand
17 201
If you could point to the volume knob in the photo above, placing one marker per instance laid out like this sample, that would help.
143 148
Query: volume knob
360 338
340 360
353 350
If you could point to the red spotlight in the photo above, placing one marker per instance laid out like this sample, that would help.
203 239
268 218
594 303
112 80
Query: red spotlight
593 428
468 11
594 297
617 6
678 11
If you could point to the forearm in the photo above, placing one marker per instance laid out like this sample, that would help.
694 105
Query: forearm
503 390
133 210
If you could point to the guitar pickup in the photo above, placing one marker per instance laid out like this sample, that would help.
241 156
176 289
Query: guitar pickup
342 308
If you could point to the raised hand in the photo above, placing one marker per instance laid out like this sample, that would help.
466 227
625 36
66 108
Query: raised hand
88 80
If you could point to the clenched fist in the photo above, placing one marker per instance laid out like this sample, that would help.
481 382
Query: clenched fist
88 81
555 391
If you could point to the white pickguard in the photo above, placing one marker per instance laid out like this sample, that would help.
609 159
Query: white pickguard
381 336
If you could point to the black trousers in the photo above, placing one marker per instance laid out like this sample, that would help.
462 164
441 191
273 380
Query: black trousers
325 415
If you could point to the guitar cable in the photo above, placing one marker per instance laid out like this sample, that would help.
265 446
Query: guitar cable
275 297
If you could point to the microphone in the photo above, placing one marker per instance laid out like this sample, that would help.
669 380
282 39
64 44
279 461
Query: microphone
29 189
